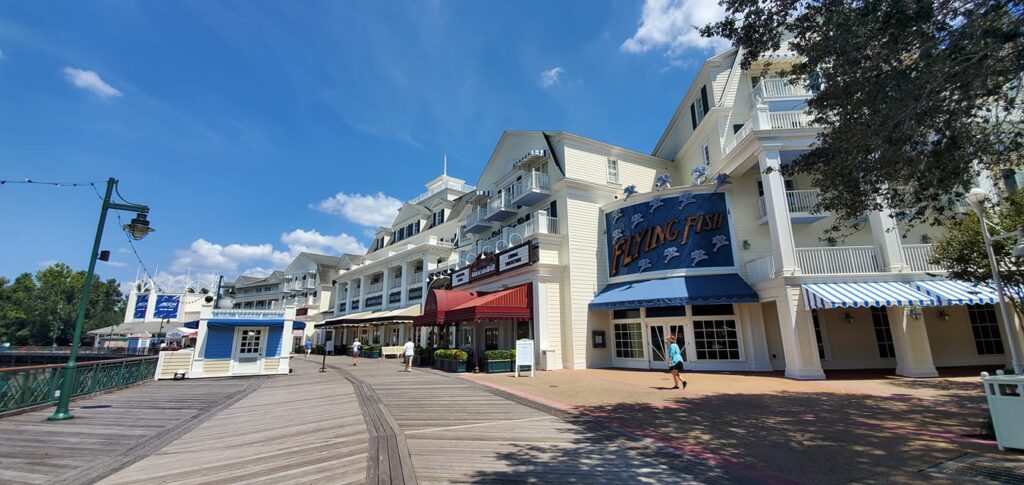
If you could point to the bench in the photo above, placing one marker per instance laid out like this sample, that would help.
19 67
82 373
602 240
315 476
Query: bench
397 351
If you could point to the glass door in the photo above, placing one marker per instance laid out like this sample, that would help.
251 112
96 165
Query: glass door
658 350
248 350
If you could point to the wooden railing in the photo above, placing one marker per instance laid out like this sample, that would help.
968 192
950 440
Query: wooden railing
790 119
919 257
33 385
838 260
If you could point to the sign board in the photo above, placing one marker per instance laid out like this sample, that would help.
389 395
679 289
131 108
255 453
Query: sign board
167 306
373 301
141 303
524 355
395 297
514 257
460 277
485 265
416 293
675 232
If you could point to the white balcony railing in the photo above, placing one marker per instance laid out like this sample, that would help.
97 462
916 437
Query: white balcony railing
515 235
395 284
476 217
779 88
740 135
374 287
919 256
798 201
838 260
761 269
531 188
781 120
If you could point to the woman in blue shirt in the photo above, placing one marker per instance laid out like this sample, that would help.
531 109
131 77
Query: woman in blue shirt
675 362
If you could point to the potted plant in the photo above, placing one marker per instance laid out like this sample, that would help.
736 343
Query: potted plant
450 360
370 351
499 361
422 357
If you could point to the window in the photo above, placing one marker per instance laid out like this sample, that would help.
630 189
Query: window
883 334
705 153
712 310
627 313
629 341
613 171
491 339
553 209
666 311
716 339
817 334
985 328
438 218
699 107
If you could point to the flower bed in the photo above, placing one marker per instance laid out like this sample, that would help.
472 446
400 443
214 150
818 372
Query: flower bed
450 360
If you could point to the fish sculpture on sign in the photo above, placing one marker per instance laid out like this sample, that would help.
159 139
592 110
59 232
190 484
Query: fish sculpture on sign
628 191
686 199
698 256
670 253
719 241
655 203
721 180
663 181
643 264
636 220
700 172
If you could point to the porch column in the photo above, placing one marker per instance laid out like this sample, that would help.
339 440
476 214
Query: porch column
405 285
797 331
385 288
776 203
910 339
363 280
886 237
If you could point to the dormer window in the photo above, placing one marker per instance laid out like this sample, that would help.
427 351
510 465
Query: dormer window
437 218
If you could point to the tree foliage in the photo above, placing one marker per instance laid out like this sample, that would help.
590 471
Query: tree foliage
962 250
915 97
40 309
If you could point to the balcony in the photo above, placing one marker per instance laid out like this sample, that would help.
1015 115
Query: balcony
781 120
778 89
918 258
801 205
533 187
512 236
838 260
500 207
374 287
476 223
760 269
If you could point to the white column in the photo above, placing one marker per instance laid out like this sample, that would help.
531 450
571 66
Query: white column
797 330
363 280
886 236
540 324
910 339
386 289
752 322
776 203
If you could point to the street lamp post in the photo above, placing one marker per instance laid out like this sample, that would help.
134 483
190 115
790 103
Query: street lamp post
137 229
976 198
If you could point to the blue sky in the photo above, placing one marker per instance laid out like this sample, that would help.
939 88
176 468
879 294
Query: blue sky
258 129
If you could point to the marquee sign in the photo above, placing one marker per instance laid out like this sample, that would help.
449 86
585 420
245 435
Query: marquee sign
141 303
492 264
415 293
372 301
676 232
167 306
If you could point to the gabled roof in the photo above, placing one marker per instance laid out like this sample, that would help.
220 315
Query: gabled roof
322 259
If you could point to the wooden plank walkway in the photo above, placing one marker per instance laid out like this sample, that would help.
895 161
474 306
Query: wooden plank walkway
460 432
109 431
303 428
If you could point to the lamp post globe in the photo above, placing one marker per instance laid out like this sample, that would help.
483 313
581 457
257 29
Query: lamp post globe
139 227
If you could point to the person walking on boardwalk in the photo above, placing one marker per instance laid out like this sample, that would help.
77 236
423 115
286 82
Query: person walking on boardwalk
675 357
309 347
410 350
355 352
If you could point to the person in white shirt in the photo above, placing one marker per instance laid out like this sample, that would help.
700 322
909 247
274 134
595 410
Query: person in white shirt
410 350
355 352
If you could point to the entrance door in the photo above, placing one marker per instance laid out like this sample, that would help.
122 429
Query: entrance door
249 343
657 346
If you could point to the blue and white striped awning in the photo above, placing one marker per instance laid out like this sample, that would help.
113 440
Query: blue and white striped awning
956 292
855 295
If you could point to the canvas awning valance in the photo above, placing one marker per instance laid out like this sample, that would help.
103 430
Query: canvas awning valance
682 290
862 295
951 292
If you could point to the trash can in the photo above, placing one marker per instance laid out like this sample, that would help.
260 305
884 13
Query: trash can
1005 395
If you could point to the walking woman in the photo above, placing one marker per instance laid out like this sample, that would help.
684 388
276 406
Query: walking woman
675 362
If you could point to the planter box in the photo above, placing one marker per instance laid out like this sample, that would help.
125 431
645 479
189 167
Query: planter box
494 366
422 360
370 355
449 365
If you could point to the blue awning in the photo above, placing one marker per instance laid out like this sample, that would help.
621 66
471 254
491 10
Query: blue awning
956 292
247 323
683 290
855 295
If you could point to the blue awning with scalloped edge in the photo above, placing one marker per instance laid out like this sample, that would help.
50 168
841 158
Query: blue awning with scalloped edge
682 290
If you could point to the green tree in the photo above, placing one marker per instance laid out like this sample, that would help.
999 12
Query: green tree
962 249
915 98
41 309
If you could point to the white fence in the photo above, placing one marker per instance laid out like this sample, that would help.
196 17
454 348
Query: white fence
919 256
761 269
790 119
798 201
838 260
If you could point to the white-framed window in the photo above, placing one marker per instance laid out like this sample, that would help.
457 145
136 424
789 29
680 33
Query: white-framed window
705 153
883 334
819 337
716 339
613 171
629 341
985 328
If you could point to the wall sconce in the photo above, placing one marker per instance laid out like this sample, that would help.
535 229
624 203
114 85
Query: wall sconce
943 315
915 313
746 244
926 239
848 316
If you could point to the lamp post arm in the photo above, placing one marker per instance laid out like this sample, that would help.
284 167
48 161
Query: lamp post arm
68 385
1008 323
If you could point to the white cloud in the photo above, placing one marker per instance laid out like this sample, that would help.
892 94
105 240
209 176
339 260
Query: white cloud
115 264
551 76
300 240
367 210
669 25
90 81
257 271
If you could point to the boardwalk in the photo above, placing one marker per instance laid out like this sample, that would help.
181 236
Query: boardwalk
366 424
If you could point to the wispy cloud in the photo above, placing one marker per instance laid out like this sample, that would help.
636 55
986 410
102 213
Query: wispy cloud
90 81
669 25
203 255
115 264
368 210
301 240
551 76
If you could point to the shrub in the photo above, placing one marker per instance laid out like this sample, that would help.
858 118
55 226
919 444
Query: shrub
451 354
499 355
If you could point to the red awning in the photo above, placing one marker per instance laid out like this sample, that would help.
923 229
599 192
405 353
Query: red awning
439 303
512 304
